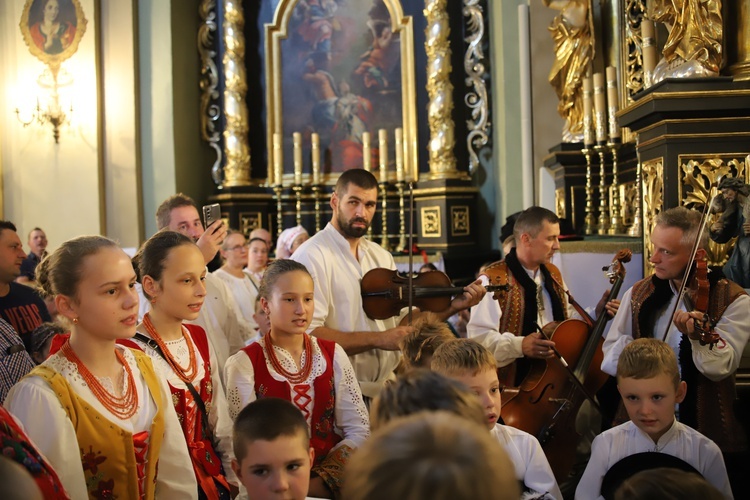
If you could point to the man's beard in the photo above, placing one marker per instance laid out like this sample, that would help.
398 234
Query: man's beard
350 231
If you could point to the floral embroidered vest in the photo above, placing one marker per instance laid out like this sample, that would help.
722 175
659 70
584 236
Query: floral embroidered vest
109 453
512 301
322 435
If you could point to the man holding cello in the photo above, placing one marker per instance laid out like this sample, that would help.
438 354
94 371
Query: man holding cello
536 294
337 258
651 309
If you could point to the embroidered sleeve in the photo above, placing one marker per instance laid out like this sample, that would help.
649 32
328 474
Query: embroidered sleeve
239 376
351 414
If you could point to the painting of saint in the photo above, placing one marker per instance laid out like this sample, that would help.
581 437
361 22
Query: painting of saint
53 28
341 76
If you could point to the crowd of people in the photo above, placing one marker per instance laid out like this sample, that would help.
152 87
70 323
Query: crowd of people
266 379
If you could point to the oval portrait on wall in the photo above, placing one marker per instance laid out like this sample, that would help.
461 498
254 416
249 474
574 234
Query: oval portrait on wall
52 29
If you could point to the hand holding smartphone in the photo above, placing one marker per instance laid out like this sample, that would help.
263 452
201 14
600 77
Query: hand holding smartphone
211 213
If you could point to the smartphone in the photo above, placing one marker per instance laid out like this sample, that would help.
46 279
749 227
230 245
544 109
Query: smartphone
211 213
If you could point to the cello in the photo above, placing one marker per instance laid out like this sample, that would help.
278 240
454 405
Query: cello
547 401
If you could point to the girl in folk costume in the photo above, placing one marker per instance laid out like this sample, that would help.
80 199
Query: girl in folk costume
314 374
96 410
172 271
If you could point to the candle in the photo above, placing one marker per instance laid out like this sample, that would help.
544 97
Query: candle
316 158
366 152
399 145
383 149
600 109
649 51
612 100
588 111
278 159
297 140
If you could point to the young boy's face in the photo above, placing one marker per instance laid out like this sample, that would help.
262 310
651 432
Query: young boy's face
278 469
485 385
650 402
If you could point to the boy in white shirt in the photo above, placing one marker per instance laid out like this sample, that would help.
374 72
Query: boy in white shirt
469 362
649 382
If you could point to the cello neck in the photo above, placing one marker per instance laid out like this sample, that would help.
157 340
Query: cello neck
595 334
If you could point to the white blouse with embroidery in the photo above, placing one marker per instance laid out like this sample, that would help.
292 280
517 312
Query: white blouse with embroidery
218 414
352 421
36 405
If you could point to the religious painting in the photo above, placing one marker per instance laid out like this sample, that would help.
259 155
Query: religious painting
339 74
52 29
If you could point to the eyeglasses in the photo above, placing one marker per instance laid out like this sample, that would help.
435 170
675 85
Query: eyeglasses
237 247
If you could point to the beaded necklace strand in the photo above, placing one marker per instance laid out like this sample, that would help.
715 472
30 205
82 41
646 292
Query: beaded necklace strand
122 407
185 374
296 377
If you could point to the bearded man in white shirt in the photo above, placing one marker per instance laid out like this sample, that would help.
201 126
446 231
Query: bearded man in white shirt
337 258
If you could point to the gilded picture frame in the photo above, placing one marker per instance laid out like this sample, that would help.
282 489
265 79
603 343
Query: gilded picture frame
52 29
327 46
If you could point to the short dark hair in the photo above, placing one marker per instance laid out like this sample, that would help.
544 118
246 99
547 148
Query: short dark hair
149 261
163 213
357 176
6 224
266 419
530 221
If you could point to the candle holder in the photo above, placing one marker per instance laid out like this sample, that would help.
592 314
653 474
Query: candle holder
402 244
637 228
316 188
277 189
298 203
616 225
589 226
603 227
384 216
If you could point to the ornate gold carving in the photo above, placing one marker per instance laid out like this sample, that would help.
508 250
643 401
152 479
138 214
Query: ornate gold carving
629 197
652 203
738 40
236 147
440 91
560 202
460 220
210 109
573 35
475 99
250 221
694 46
699 180
633 47
431 222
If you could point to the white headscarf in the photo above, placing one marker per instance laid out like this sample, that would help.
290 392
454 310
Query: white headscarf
286 240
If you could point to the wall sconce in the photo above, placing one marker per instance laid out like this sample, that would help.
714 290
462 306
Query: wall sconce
52 113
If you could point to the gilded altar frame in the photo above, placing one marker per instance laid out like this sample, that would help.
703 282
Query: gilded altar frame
278 30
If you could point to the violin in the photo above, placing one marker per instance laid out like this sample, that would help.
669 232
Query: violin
386 292
698 299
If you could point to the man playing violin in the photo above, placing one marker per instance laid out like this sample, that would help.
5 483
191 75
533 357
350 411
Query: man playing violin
646 308
536 294
337 258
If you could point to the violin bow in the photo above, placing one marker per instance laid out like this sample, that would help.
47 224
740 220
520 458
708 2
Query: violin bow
693 252
411 249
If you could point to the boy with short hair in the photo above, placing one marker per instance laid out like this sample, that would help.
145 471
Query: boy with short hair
430 332
469 362
648 379
272 449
